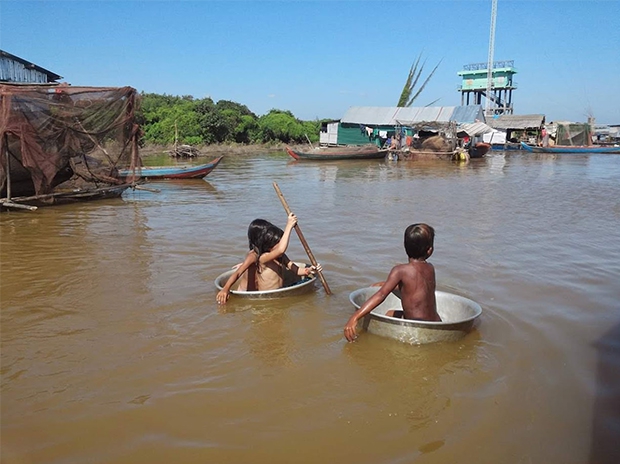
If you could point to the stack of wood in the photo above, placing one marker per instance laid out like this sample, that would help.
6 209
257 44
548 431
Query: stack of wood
184 151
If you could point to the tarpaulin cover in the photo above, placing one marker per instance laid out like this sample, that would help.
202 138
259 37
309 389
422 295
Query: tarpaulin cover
52 133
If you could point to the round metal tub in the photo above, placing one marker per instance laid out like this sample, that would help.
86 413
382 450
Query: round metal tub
292 286
457 318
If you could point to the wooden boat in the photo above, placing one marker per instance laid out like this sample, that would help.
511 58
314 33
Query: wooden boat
479 150
508 146
457 313
413 154
173 172
64 197
339 153
570 149
293 285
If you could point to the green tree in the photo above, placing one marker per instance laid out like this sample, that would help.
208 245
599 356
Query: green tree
203 121
279 125
411 91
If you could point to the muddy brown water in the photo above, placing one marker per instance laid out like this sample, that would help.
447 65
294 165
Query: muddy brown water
114 350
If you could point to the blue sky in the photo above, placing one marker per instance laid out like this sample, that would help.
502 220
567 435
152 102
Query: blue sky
318 58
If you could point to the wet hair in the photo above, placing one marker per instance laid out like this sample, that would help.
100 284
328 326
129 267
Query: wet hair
263 236
419 239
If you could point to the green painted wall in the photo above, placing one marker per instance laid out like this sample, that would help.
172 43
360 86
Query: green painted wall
477 80
350 134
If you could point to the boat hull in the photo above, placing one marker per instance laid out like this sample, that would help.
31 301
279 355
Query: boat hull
570 149
292 286
458 315
338 154
72 196
479 150
173 172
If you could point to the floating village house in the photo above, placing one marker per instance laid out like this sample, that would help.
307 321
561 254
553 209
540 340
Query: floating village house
375 124
517 128
17 70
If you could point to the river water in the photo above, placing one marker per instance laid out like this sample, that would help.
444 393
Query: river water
114 350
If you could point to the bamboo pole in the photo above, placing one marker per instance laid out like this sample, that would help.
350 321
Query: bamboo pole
302 239
7 203
10 204
8 167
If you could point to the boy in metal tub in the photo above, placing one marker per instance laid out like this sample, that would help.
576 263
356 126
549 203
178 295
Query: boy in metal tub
414 282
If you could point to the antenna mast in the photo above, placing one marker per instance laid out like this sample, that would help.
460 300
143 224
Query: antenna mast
488 112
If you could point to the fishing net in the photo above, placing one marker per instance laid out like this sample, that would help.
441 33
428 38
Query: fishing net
55 137
573 134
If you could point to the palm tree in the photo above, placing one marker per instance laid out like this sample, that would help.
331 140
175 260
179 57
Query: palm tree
406 98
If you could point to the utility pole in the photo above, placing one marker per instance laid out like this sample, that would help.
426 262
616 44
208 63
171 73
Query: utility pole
488 112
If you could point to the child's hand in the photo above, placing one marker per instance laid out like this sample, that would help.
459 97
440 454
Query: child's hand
291 221
310 270
350 332
222 297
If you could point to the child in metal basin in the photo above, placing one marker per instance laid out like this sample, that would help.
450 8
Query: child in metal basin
264 265
415 281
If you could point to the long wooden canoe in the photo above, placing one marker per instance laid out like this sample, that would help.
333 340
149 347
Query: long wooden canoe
339 153
173 172
457 313
570 149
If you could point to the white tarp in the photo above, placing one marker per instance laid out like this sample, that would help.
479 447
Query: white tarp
496 136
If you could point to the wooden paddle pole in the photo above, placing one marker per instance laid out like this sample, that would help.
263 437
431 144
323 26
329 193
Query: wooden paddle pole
302 239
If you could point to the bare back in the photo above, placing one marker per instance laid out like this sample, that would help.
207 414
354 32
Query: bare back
416 282
270 277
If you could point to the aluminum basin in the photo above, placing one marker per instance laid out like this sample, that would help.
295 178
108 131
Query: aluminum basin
292 286
457 318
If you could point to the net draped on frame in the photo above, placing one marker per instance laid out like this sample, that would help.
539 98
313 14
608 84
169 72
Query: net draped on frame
67 137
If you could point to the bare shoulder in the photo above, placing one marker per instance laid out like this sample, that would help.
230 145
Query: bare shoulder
399 270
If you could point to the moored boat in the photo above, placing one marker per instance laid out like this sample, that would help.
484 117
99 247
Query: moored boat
64 197
293 285
479 150
457 313
339 153
173 172
571 149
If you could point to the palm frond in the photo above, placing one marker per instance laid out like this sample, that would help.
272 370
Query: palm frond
407 95
421 88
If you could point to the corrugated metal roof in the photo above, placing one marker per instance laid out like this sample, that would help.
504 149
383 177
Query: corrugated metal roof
474 129
468 114
394 115
16 69
513 121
